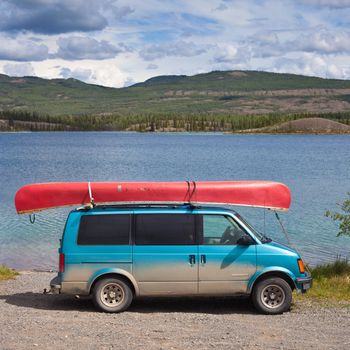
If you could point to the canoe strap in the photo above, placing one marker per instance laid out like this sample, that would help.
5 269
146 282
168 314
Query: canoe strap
90 195
190 194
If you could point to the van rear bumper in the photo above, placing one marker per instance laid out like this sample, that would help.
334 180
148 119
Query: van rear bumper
55 285
304 283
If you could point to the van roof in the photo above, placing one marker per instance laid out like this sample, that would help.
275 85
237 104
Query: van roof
157 207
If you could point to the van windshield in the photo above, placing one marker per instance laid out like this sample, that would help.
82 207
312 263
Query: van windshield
257 234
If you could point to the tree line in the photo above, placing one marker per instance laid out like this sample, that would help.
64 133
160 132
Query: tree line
25 120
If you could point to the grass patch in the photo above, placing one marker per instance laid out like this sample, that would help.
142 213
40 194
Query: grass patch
6 273
331 282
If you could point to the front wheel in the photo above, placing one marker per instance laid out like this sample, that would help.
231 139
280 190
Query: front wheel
112 295
272 296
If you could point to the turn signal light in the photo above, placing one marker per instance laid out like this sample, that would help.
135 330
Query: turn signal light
61 262
301 266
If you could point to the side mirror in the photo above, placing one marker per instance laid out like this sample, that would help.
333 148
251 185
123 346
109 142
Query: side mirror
245 240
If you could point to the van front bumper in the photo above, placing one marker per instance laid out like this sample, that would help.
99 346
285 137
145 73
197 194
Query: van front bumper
304 283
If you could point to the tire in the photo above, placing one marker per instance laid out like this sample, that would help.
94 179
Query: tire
272 296
112 295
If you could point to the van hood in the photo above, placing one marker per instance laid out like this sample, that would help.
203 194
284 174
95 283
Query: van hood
282 246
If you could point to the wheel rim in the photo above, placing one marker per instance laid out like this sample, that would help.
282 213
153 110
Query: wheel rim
272 296
112 295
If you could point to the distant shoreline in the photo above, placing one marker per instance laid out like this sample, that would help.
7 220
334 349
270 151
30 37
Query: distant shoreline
178 132
301 126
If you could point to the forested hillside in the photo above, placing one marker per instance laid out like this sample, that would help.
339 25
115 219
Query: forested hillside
227 101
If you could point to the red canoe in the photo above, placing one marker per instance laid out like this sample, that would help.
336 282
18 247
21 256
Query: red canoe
265 194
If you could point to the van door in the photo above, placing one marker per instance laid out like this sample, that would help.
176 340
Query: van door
165 254
225 267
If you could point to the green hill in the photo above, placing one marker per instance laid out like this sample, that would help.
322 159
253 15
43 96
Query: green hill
218 94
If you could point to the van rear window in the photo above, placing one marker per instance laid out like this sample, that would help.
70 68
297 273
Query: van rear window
104 230
164 229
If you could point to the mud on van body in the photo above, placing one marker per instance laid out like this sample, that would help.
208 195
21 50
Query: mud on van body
118 253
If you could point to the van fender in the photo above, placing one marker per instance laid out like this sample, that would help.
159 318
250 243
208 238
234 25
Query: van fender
111 271
268 270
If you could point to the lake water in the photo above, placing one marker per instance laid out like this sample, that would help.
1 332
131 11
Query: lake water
316 168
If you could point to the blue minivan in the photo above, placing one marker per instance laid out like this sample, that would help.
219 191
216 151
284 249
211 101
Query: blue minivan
117 253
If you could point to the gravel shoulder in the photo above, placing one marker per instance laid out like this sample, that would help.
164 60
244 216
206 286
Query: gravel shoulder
31 320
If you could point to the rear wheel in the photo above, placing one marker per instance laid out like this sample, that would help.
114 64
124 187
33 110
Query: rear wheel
272 296
112 295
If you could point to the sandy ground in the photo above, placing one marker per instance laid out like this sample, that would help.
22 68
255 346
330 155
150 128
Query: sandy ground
31 320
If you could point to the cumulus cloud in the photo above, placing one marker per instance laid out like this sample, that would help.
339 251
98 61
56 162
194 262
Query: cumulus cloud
79 47
179 49
220 34
221 7
152 66
52 16
322 41
337 4
309 64
107 75
267 44
19 69
116 11
129 81
22 50
228 53
317 40
79 73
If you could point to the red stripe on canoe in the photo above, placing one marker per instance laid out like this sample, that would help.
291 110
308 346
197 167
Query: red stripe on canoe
266 194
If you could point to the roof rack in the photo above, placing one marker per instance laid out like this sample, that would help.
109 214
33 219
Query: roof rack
140 205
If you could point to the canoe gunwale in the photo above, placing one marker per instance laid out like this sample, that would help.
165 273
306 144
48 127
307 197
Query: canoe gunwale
89 206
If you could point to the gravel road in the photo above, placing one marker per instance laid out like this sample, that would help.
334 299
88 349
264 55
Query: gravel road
31 320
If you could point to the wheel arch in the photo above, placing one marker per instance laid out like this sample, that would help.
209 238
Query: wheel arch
272 272
113 273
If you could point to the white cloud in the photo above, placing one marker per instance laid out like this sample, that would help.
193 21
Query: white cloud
267 44
81 47
18 69
117 13
113 73
175 37
327 3
22 50
227 53
322 41
310 64
152 66
78 73
221 7
109 75
179 48
129 81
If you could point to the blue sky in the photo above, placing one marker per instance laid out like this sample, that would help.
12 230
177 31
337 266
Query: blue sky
117 43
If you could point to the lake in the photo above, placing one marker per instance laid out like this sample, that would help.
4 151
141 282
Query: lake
316 168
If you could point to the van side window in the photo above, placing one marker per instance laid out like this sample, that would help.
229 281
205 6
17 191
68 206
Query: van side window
220 230
104 230
165 229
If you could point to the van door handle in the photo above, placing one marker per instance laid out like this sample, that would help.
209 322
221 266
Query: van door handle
203 259
192 259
